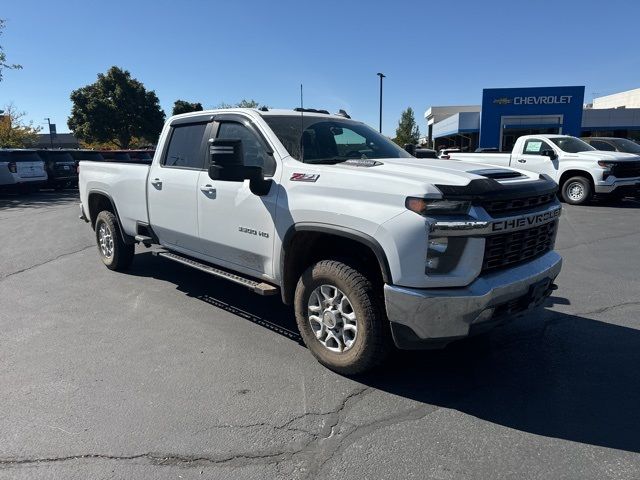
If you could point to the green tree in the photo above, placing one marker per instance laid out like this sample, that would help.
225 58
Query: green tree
244 103
14 133
116 108
182 106
3 56
407 131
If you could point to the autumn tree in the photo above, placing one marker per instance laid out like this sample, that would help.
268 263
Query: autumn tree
182 106
117 108
3 57
407 131
14 132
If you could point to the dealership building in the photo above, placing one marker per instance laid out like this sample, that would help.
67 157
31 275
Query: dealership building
508 113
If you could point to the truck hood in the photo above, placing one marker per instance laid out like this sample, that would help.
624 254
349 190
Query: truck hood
432 171
603 155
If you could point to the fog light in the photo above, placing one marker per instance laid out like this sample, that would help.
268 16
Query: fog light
438 244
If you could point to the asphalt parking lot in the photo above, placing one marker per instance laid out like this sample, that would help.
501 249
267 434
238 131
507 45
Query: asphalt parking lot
165 372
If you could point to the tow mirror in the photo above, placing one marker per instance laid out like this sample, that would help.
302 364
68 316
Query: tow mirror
549 153
227 165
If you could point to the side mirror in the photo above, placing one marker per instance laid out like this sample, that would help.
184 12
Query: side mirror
549 153
227 165
410 148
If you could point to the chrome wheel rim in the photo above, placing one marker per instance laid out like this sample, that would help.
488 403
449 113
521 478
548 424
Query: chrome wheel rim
105 240
575 191
332 318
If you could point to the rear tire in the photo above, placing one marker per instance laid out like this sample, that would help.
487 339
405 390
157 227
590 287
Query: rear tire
577 191
341 318
114 252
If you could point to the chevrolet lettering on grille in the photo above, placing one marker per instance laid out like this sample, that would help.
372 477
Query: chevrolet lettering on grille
525 221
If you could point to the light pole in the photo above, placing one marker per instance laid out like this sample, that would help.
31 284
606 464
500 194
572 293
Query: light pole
50 135
381 75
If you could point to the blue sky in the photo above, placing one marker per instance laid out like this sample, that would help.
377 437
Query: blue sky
433 52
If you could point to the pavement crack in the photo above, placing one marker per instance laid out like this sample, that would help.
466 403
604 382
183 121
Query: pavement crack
608 308
62 255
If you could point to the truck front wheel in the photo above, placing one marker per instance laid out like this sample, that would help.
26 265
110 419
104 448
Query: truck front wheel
576 190
341 318
114 253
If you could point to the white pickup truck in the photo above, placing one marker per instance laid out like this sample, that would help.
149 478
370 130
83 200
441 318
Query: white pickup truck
371 246
576 166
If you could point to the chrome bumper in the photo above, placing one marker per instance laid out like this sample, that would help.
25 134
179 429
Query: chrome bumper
427 318
612 183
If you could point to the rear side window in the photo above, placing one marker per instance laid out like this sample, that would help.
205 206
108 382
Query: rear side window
23 157
185 146
535 147
600 145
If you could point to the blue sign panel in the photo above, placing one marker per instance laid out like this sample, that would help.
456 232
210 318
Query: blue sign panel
564 102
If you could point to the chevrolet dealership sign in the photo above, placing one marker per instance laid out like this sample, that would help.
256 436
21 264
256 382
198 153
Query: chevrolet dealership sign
543 100
539 100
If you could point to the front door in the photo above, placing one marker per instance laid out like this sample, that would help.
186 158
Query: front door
172 187
236 227
531 158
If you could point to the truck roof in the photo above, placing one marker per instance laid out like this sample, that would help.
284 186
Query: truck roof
263 112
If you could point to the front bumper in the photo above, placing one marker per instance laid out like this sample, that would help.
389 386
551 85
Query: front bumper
612 183
431 318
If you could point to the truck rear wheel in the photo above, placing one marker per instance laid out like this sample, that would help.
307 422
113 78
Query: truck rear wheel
114 252
340 317
576 191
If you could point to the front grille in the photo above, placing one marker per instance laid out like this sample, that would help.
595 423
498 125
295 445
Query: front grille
511 205
626 170
507 249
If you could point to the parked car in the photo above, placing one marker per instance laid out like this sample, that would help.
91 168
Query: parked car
579 169
61 168
116 155
612 144
141 156
90 155
21 170
369 244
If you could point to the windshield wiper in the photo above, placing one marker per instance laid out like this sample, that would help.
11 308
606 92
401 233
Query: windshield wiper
327 161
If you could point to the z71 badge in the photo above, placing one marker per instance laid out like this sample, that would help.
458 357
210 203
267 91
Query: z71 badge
304 177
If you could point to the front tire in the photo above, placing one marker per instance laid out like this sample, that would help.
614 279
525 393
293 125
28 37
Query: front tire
341 318
577 191
114 252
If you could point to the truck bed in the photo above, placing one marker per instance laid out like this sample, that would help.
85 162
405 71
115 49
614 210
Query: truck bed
124 183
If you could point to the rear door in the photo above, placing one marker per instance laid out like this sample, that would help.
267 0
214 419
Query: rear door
532 159
171 186
29 165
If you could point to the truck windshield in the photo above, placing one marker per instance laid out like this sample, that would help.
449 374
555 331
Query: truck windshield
314 139
571 144
625 145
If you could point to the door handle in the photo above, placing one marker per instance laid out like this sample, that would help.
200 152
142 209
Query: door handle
522 160
208 189
156 182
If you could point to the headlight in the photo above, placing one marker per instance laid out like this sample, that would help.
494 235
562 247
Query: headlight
443 254
428 206
605 164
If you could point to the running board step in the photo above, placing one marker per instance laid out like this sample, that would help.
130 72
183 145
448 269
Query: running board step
260 288
144 239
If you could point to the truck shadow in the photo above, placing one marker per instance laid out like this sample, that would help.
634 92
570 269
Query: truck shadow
552 374
39 199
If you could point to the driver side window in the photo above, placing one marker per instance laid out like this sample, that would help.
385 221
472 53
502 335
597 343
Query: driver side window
255 153
535 147
349 141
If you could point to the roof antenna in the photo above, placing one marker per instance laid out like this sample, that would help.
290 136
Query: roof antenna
301 125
